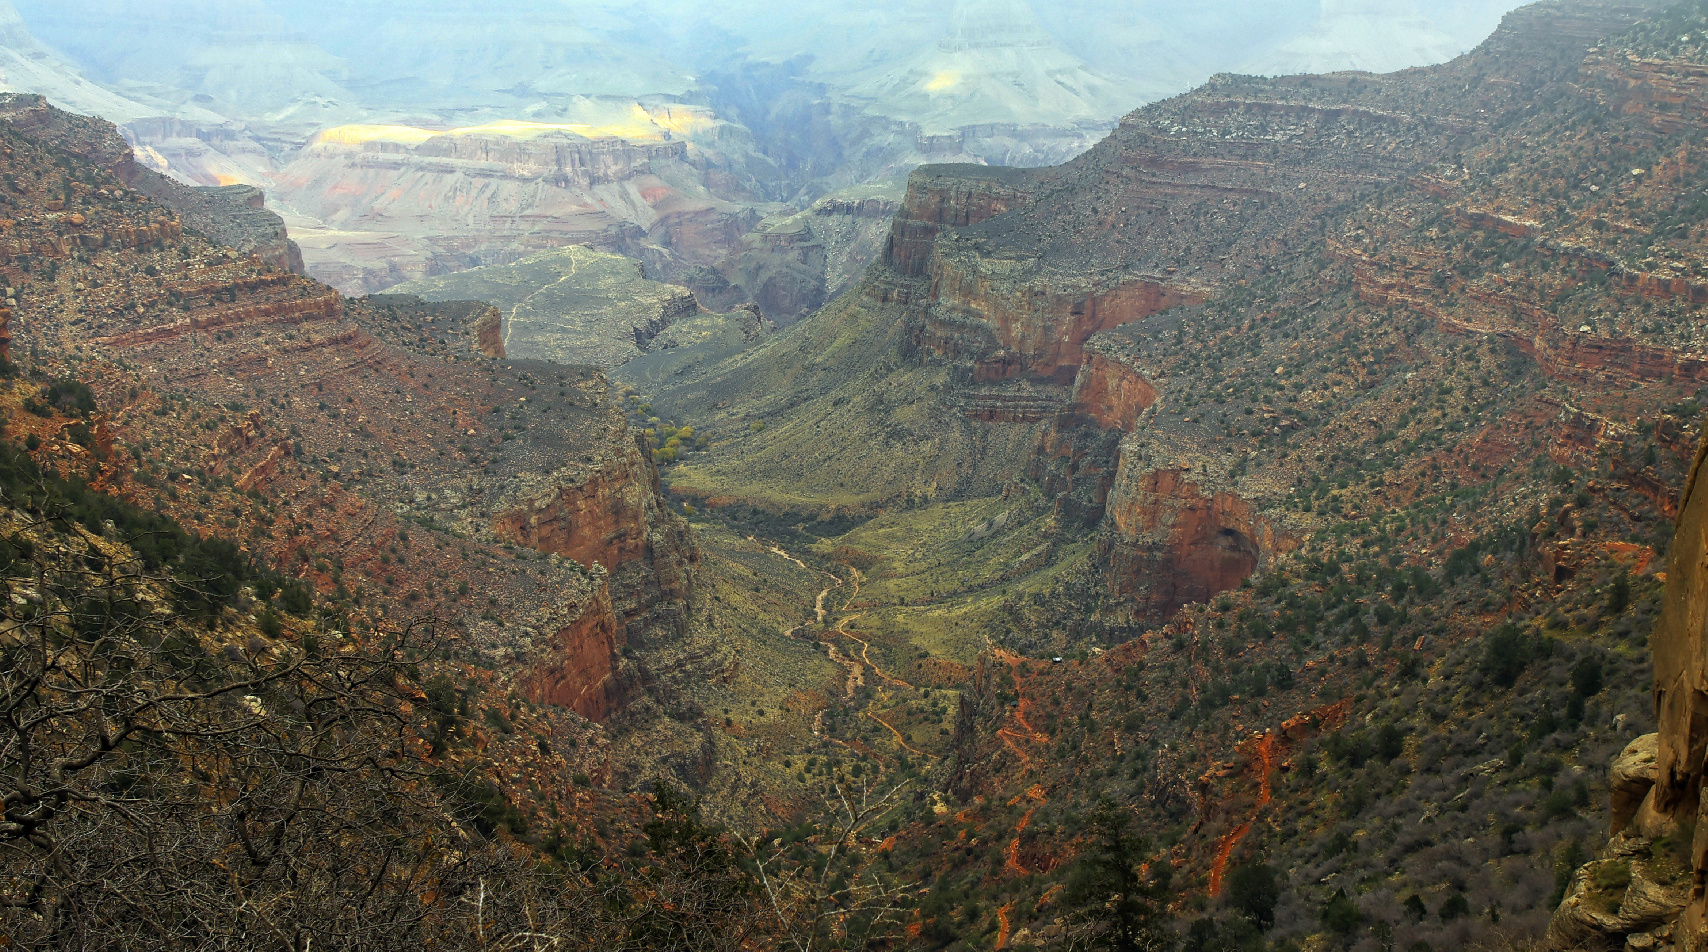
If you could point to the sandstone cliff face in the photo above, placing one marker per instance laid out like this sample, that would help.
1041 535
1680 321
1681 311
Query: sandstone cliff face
1656 784
610 514
1012 324
579 672
1112 393
1680 645
947 196
1175 541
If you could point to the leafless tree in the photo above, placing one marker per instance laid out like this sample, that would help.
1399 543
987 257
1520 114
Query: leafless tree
170 786
836 897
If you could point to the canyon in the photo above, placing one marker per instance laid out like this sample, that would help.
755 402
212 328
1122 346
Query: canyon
1295 469
343 418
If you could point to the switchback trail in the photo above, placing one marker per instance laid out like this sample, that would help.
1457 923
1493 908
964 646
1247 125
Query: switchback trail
1026 732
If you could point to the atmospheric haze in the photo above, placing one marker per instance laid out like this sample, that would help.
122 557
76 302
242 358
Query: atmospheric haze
668 129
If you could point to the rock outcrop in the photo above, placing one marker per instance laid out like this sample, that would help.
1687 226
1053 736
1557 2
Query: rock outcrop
578 672
609 514
1176 540
1112 393
234 216
1630 896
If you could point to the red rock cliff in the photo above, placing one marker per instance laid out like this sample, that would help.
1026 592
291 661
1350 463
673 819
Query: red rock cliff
1173 542
947 196
1680 645
581 672
1112 393
611 514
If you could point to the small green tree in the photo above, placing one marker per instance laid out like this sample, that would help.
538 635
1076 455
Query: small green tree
1254 889
1117 894
1504 656
1619 596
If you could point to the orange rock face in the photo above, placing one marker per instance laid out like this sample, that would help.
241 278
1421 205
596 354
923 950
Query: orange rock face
1672 95
600 520
1112 393
1175 544
947 196
1036 333
609 516
579 674
489 333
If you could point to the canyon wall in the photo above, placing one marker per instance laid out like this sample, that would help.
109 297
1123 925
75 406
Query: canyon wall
373 193
1112 393
389 454
1656 783
1680 646
1175 540
1012 324
579 671
610 513
947 196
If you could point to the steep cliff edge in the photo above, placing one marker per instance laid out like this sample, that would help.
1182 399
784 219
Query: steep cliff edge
234 216
609 513
1656 783
370 446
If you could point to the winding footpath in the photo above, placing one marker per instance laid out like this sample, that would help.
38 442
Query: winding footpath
856 668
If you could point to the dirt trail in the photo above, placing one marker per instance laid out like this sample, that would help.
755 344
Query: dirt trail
1264 763
1011 856
856 677
856 672
1002 925
865 653
899 738
1026 732
818 604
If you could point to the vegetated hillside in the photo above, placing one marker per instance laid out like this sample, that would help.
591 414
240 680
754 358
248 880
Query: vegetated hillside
1343 507
575 305
368 449
1334 426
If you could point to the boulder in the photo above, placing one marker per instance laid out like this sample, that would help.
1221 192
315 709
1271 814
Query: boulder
1629 779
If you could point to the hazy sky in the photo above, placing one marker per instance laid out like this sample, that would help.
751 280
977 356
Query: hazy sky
255 56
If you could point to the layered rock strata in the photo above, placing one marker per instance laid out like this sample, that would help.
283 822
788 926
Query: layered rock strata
234 216
375 449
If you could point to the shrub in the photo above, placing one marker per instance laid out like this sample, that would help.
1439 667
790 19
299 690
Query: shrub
69 396
1254 889
1504 656
1340 914
1455 906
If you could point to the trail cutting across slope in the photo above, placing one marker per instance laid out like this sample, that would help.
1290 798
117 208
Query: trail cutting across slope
1026 732
856 669
1263 761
